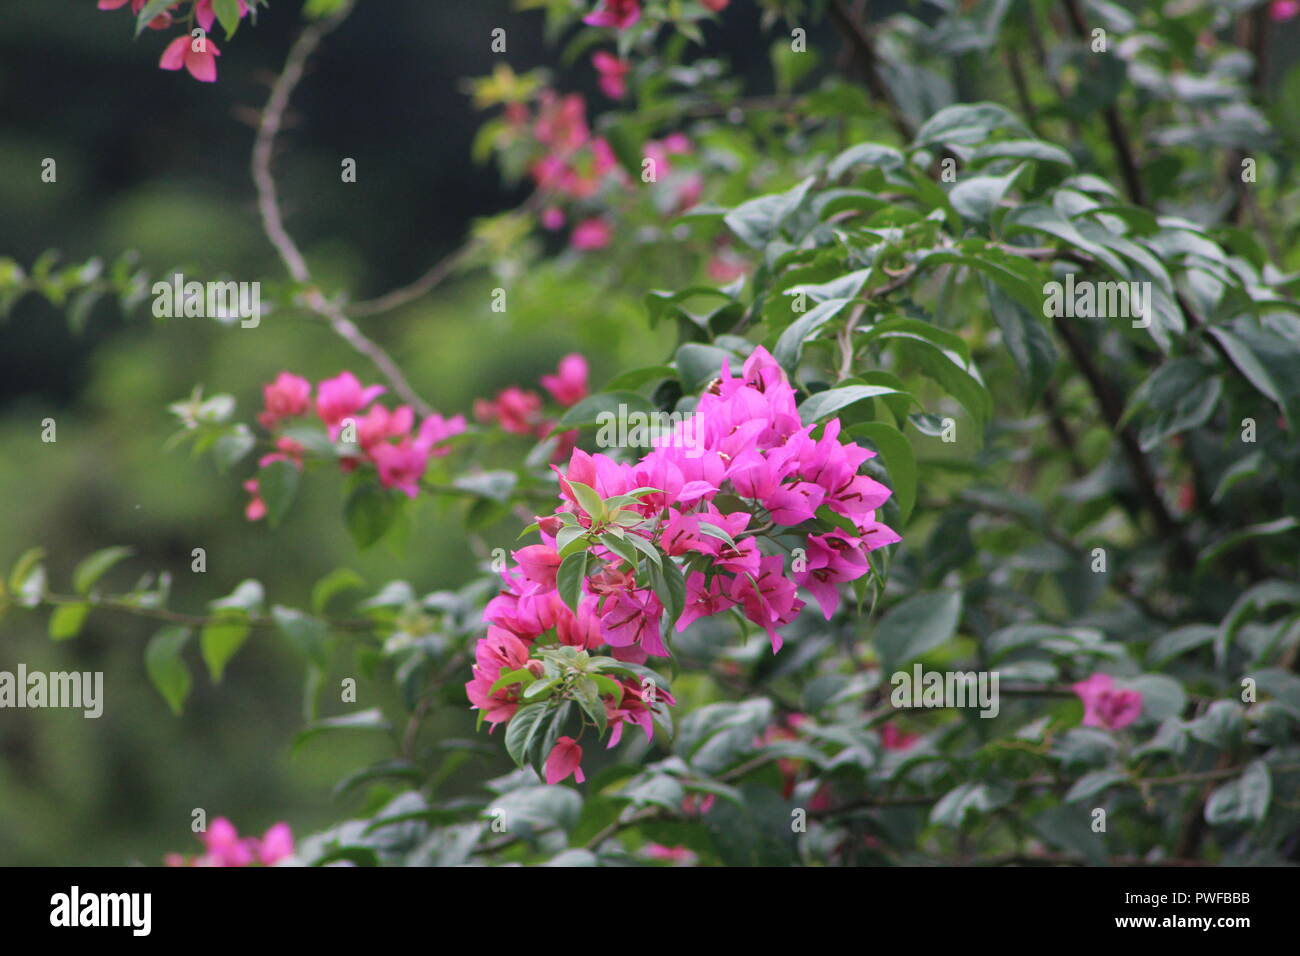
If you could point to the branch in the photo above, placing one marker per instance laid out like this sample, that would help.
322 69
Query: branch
268 205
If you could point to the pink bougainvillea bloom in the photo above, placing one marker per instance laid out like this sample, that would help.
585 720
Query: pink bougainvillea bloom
612 72
552 219
561 121
1283 10
565 759
717 6
288 396
891 738
201 62
256 508
568 385
671 854
619 14
1106 706
435 431
206 16
514 409
539 564
401 466
276 845
591 234
343 397
224 845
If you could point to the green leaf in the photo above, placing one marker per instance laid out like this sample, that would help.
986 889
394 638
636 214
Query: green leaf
96 566
697 365
1029 343
834 400
370 720
944 367
569 579
337 581
759 221
227 12
900 462
919 624
1091 784
307 634
369 512
670 586
790 345
277 484
67 619
1244 800
167 670
149 11
967 124
588 500
952 807
522 731
219 642
233 445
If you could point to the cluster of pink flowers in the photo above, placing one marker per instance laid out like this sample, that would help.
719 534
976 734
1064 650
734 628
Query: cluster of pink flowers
573 165
198 54
1105 705
1283 10
383 438
223 846
745 440
520 411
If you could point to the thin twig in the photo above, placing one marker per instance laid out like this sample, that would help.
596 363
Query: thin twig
268 205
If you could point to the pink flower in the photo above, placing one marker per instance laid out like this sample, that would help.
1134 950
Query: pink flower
1104 705
287 397
619 14
379 424
831 559
515 410
206 16
342 397
612 74
198 55
591 234
768 598
552 219
565 759
671 854
435 431
256 508
569 385
225 847
1283 10
401 466
631 618
276 845
891 738
539 564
